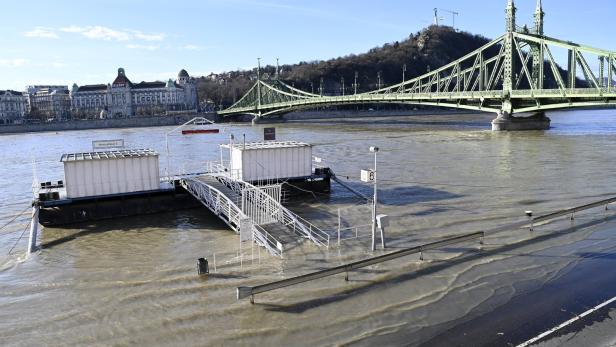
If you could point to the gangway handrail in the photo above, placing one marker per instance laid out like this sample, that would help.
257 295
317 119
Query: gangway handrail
232 212
265 239
244 292
309 230
215 195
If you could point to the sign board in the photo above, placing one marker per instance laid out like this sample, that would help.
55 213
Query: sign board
245 229
382 221
269 134
107 144
367 175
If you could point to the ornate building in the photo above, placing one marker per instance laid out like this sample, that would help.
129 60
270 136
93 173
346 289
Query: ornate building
122 98
49 102
13 106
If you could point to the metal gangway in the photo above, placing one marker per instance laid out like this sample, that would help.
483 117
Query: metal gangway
234 200
229 212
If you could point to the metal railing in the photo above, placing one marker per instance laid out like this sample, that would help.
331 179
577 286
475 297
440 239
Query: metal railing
214 200
282 214
244 292
264 239
229 213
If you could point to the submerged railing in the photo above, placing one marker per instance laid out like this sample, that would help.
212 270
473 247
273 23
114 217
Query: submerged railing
244 292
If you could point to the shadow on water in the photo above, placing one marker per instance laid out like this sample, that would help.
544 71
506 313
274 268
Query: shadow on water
433 268
597 255
402 195
183 220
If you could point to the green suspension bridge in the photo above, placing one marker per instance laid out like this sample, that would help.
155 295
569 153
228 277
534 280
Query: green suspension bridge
515 73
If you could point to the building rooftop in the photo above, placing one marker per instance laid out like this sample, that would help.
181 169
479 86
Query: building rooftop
11 92
119 154
92 88
147 85
267 145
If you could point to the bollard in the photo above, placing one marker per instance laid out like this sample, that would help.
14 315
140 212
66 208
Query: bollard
202 266
529 214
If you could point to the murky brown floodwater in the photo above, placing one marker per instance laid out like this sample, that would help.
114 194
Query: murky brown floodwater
133 281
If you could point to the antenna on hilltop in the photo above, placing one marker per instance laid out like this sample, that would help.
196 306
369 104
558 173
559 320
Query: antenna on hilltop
453 16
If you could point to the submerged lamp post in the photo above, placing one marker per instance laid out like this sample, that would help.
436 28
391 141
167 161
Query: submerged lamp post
374 150
370 176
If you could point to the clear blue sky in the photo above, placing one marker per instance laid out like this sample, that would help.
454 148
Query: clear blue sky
66 41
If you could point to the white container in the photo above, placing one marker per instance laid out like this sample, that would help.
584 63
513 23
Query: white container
112 172
270 160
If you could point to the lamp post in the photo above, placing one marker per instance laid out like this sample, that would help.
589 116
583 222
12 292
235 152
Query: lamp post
403 76
374 150
342 82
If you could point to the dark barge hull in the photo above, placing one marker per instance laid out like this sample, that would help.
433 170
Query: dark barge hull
70 211
91 209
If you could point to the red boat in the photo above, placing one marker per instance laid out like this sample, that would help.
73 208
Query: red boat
200 131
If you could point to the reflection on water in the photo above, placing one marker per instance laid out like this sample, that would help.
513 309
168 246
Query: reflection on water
133 281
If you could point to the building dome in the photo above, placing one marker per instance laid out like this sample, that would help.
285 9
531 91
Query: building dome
170 84
183 73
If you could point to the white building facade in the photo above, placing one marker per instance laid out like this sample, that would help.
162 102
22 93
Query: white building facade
13 107
49 102
122 98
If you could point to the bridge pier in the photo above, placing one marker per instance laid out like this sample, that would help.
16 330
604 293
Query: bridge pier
506 122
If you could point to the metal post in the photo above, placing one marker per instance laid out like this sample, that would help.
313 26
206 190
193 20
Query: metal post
259 84
355 84
374 150
601 71
610 72
572 68
378 76
339 227
342 81
403 77
321 87
168 160
33 229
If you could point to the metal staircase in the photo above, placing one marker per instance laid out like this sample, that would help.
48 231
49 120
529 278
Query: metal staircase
228 211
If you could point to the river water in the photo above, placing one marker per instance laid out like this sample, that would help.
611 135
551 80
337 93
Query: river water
133 281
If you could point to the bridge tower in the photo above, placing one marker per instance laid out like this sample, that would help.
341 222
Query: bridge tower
505 119
537 49
509 60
